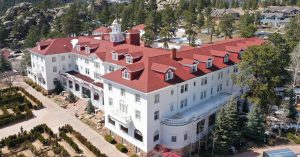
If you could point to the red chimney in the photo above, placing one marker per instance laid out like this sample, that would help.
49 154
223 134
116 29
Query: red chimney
173 54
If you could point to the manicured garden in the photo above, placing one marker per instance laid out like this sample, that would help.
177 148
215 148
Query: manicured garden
41 141
16 104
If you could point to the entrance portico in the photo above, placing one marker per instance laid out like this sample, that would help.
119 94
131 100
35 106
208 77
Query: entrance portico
84 87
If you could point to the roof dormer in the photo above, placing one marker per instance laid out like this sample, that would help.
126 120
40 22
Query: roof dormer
169 75
133 57
129 59
189 64
209 63
125 74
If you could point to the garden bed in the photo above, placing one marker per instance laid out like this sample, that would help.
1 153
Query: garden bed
16 105
41 141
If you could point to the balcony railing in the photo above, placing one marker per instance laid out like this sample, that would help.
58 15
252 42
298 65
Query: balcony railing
121 117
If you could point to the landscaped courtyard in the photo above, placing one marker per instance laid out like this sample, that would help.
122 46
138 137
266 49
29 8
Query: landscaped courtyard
16 105
41 141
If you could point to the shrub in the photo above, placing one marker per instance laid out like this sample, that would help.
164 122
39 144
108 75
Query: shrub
121 148
59 150
58 87
71 98
90 108
110 139
70 141
294 138
134 155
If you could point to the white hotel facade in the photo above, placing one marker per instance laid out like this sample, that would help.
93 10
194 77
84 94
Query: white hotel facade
152 98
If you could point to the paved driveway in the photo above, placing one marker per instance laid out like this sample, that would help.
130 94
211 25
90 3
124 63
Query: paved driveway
55 116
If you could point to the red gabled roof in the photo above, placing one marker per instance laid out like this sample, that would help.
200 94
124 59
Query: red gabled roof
135 67
56 46
85 78
139 27
150 78
102 30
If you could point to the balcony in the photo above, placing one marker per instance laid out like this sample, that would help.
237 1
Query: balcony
122 118
199 111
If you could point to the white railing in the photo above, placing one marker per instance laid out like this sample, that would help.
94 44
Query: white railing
121 117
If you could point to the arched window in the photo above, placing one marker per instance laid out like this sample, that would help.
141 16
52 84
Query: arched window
169 75
55 81
226 58
138 135
125 74
200 126
156 136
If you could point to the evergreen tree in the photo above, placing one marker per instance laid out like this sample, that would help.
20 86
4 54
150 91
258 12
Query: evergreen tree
226 25
5 65
71 97
227 128
255 125
3 34
71 23
247 26
90 109
293 31
125 19
58 87
140 15
32 37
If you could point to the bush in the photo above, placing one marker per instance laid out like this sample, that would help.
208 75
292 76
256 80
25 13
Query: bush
70 141
58 88
121 148
294 138
71 98
110 139
134 155
90 109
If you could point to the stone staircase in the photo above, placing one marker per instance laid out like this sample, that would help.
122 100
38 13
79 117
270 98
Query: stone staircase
78 107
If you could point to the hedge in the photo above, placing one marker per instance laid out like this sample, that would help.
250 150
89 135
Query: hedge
294 138
59 150
82 139
38 103
110 139
121 148
69 140
35 86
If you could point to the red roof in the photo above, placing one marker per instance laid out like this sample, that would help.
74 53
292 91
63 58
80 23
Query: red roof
201 58
139 27
102 30
85 78
56 46
135 67
171 154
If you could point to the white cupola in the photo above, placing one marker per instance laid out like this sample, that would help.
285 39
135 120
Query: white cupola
116 35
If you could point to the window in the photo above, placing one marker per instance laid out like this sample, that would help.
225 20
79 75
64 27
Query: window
169 75
226 58
63 58
220 75
194 97
185 137
69 65
194 68
137 114
171 107
96 65
96 96
200 126
219 88
194 83
111 69
109 87
173 138
156 136
204 81
172 92
114 56
110 102
54 69
156 115
128 59
76 67
184 88
70 84
211 91
211 119
124 129
183 103
235 69
69 56
138 135
123 107
112 122
125 74
137 98
97 75
64 81
209 63
122 92
53 59
63 67
87 71
156 98
86 61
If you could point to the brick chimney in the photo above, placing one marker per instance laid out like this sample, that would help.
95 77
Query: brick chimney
173 54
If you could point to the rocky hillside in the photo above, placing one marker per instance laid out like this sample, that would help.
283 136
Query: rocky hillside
18 19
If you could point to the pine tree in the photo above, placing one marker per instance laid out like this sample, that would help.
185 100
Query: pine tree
32 37
255 125
90 108
226 25
71 98
5 65
227 128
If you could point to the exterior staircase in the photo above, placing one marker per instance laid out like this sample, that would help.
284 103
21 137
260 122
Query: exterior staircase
78 107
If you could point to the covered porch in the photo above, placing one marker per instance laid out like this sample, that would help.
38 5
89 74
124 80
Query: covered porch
84 87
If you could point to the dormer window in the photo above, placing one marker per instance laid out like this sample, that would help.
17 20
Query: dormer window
194 68
78 47
169 75
209 63
125 74
226 58
87 50
114 56
129 59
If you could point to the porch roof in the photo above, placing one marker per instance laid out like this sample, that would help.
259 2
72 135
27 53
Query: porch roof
85 78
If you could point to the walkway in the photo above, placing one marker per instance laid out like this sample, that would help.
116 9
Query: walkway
55 117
